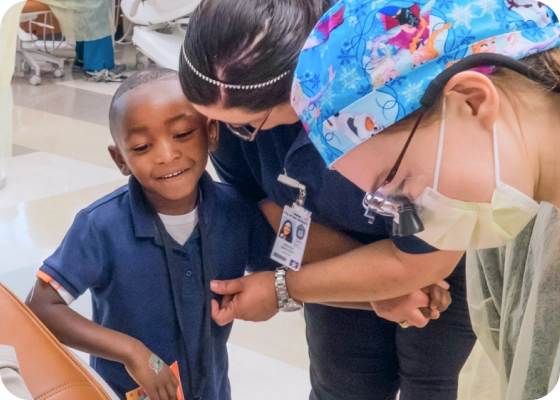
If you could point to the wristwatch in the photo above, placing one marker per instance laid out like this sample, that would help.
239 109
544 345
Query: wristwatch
285 302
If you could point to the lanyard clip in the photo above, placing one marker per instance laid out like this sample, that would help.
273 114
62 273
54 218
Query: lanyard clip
291 182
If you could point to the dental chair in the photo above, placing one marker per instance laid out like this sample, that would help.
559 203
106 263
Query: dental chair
158 33
31 56
50 371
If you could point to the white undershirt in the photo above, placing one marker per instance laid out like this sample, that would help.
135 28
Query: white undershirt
180 227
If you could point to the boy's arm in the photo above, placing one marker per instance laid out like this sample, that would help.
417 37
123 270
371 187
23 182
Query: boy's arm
80 333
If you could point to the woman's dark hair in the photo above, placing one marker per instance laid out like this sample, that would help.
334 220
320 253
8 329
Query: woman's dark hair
246 42
287 238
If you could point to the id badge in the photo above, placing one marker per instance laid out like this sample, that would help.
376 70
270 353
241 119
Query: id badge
292 237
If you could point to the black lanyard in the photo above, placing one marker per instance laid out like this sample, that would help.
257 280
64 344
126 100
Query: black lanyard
195 392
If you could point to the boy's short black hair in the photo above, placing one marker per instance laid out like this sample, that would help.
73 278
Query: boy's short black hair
137 79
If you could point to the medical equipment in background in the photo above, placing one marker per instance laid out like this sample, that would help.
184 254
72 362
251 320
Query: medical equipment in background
158 32
33 52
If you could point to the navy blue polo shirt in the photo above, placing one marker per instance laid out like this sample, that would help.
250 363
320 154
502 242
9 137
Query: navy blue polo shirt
253 168
114 249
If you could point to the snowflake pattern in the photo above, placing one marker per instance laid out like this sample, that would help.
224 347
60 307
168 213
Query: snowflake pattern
405 75
398 80
412 91
465 38
310 81
364 89
328 98
438 71
348 78
462 16
487 7
345 57
446 4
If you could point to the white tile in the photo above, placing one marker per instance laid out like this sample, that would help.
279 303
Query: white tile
254 376
63 136
39 175
282 338
108 88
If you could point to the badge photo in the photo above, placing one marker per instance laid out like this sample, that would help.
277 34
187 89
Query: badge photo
286 230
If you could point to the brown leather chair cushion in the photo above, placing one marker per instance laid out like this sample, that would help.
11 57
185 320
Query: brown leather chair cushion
34 6
47 367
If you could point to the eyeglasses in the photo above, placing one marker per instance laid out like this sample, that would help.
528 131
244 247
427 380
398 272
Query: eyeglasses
397 164
378 203
242 132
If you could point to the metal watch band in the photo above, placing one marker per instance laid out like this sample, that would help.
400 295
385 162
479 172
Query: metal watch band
285 302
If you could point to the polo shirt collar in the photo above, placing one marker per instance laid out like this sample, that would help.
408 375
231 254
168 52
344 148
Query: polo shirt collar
143 219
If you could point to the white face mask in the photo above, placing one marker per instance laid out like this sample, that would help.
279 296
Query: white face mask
458 225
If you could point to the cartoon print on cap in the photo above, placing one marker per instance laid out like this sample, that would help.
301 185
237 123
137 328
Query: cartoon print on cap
356 127
368 63
324 28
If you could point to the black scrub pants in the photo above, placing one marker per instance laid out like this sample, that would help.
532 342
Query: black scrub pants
356 355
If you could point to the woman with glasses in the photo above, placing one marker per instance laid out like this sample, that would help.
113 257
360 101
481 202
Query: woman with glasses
464 154
236 67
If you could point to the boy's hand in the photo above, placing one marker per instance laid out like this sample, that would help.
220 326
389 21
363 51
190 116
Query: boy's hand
152 375
416 308
440 299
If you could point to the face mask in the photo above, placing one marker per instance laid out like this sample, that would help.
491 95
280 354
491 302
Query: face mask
458 225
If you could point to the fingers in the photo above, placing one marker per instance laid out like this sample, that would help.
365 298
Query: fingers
417 319
227 287
172 387
419 299
429 313
444 285
440 299
225 315
226 300
162 393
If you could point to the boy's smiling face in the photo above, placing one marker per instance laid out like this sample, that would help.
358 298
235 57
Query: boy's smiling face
163 142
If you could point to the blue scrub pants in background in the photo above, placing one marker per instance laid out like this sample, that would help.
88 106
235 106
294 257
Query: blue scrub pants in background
96 54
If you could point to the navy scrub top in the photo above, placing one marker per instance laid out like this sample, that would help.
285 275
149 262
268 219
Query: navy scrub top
253 168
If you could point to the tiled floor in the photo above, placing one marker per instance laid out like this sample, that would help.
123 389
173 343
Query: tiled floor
60 164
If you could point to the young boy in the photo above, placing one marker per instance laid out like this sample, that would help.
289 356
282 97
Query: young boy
148 251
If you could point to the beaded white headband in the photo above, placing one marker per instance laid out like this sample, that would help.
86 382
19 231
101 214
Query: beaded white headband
227 85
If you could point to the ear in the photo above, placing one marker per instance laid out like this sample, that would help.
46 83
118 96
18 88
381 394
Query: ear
472 94
213 130
119 160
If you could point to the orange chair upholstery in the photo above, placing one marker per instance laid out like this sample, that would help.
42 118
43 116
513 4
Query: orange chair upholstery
35 6
47 367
